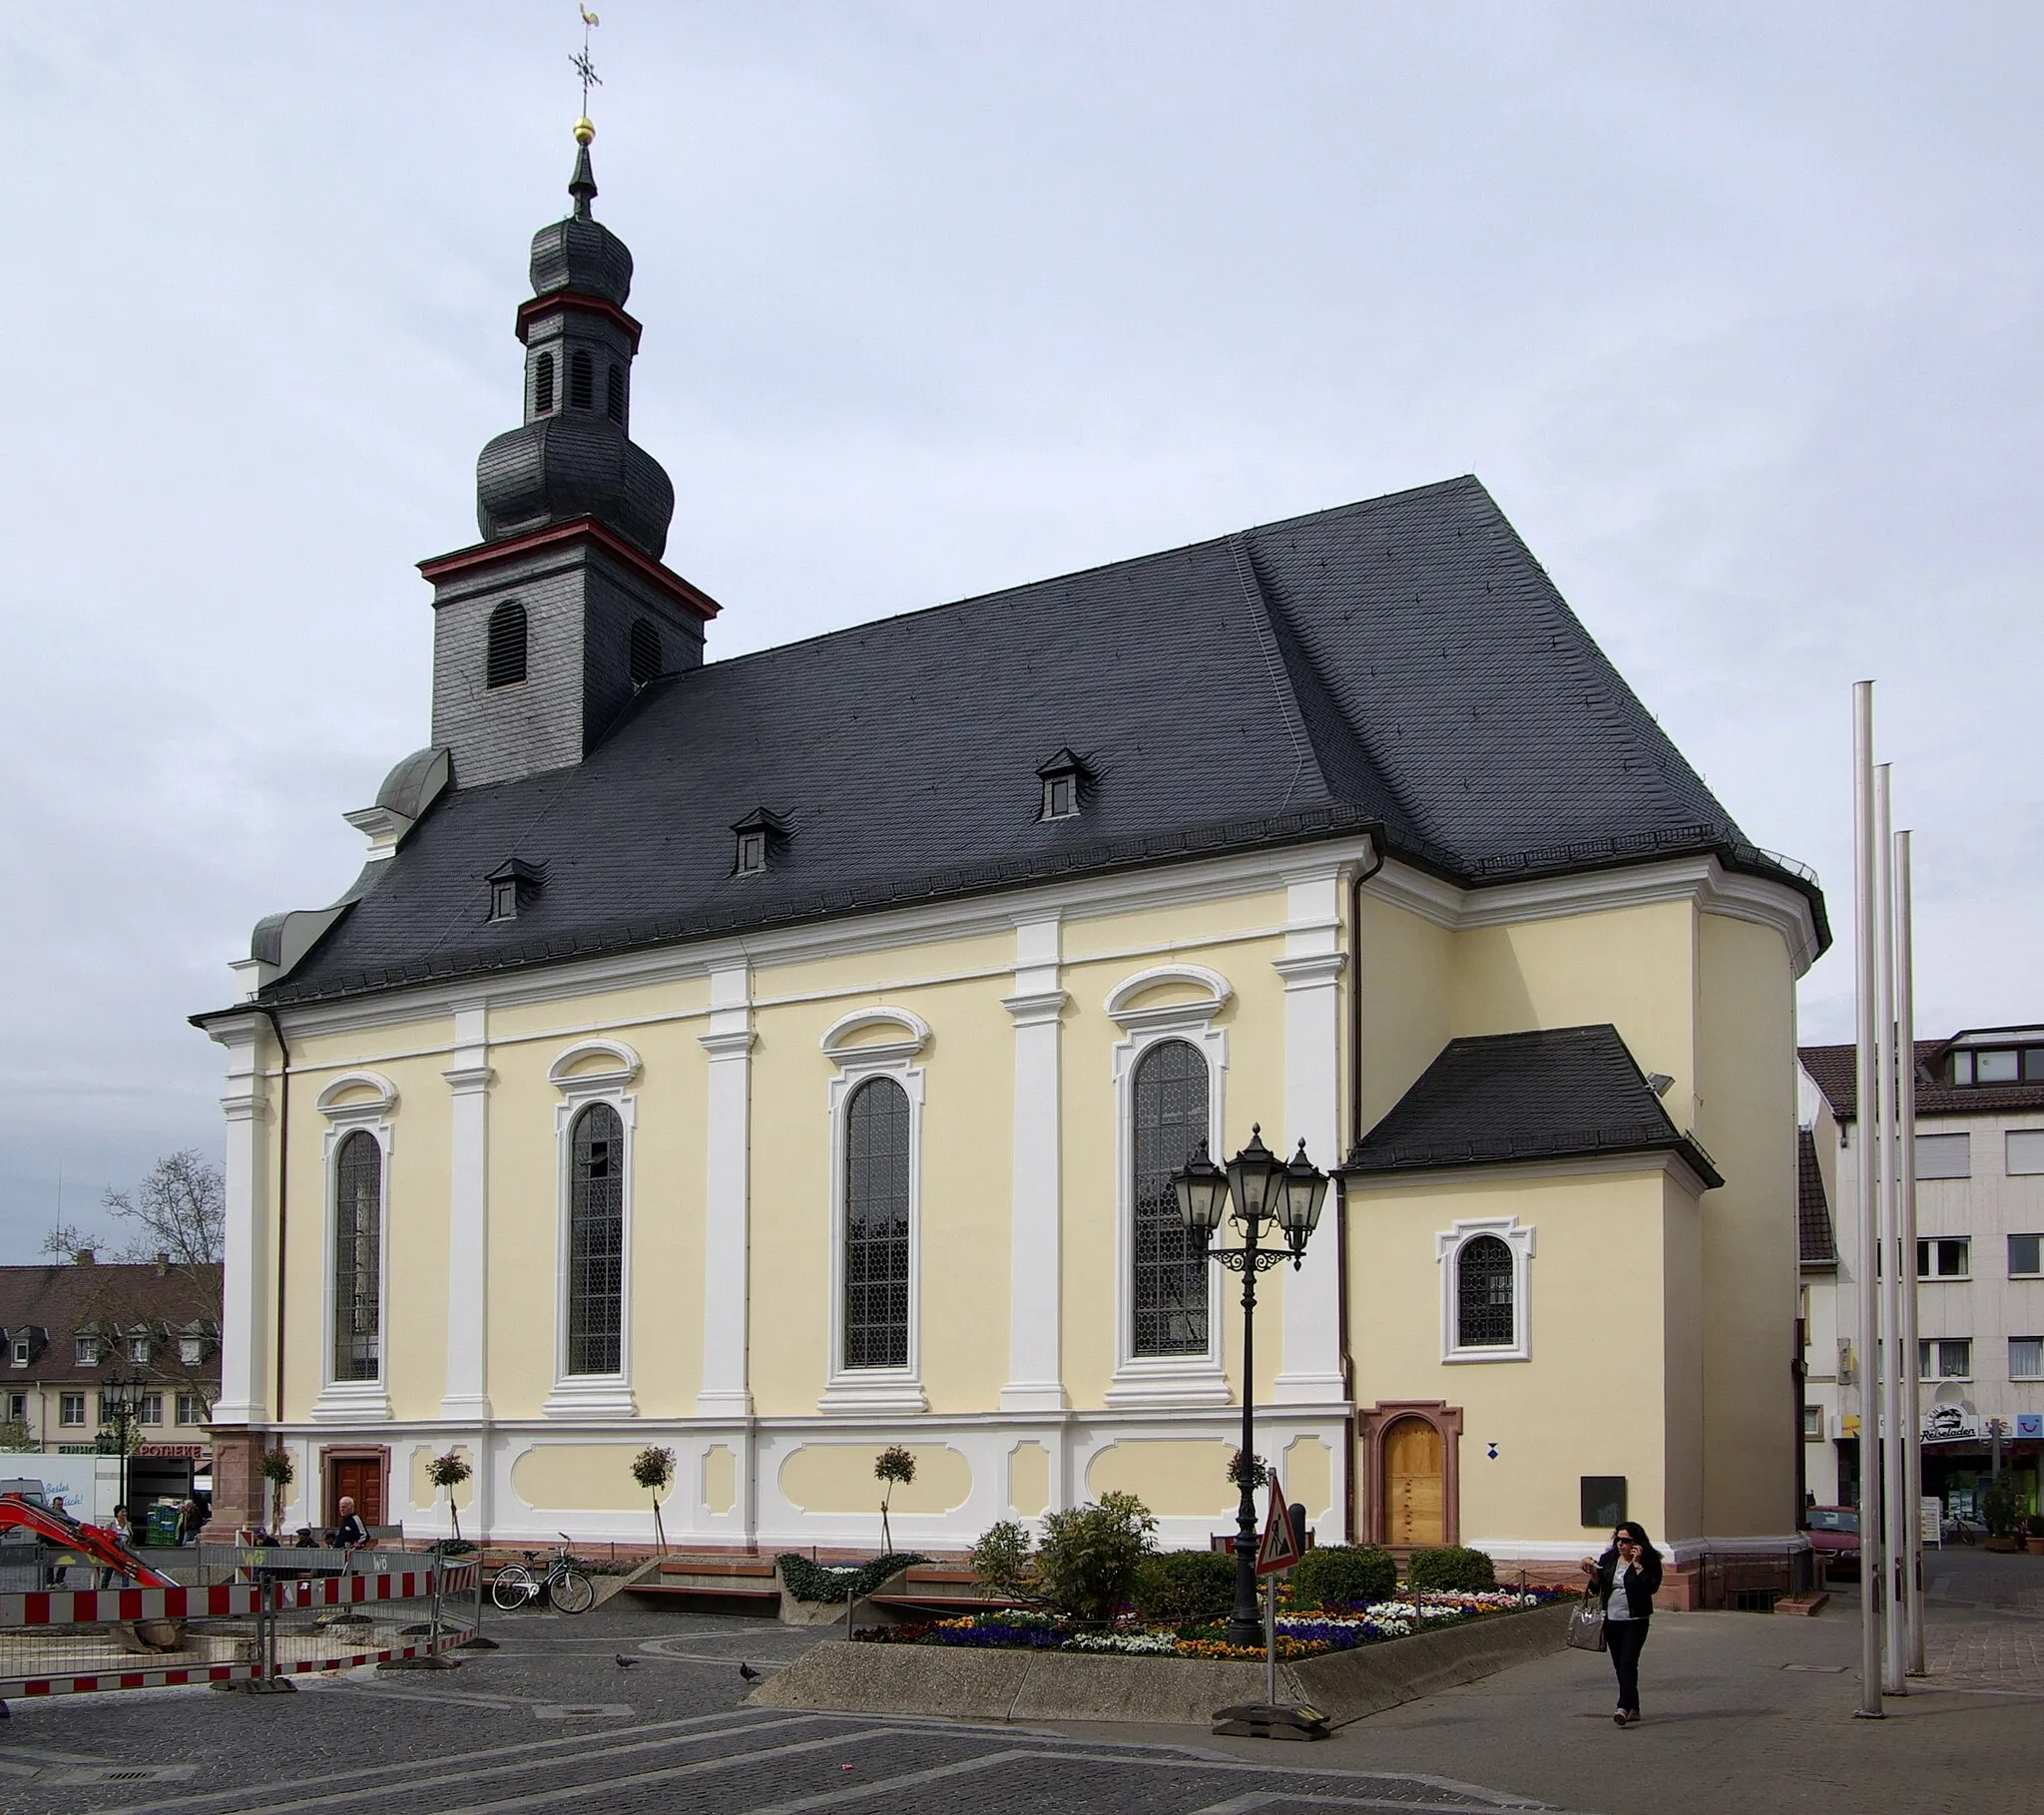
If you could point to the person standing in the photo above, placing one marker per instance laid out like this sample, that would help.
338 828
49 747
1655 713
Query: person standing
350 1530
1625 1581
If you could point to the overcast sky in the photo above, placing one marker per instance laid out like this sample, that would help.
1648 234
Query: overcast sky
1735 310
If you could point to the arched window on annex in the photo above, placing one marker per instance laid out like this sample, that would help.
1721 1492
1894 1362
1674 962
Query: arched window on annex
504 660
593 1124
875 1108
1169 1072
359 1107
1485 1265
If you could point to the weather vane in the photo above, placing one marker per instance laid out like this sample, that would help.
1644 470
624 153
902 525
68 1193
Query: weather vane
587 71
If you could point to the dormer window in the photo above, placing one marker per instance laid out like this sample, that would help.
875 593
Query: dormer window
191 1350
760 834
1063 778
1998 1065
85 1351
139 1349
20 1356
514 886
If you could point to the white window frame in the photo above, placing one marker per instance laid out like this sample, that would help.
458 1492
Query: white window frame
592 1395
2012 1273
1932 1244
356 1401
191 1351
2012 1374
194 1402
1165 1380
87 1351
1929 1146
65 1402
20 1355
142 1412
1933 1344
1447 1247
858 1058
2017 1141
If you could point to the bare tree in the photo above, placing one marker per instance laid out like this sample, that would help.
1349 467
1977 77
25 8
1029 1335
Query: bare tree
66 1240
180 1211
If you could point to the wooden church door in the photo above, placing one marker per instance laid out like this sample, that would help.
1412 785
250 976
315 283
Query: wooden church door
1412 1483
360 1479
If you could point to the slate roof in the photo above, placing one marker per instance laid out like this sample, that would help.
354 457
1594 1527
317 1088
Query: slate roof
1401 665
1817 1246
1554 1093
63 1301
1830 1068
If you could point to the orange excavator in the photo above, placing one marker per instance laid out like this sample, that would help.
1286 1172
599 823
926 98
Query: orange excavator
84 1540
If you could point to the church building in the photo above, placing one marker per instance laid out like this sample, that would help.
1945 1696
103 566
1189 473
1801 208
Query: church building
783 1057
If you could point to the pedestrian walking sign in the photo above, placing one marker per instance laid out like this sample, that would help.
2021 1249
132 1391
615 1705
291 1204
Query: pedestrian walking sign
1279 1549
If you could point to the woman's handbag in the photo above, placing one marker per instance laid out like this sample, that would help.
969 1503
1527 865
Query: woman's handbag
1586 1627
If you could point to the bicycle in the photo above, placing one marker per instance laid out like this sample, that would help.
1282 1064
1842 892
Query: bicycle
516 1585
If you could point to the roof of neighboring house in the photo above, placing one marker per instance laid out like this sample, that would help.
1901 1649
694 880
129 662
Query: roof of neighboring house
99 1297
1830 1068
1402 666
1555 1094
1817 1244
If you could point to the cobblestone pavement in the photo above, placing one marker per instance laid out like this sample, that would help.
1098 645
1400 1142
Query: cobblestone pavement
1745 1713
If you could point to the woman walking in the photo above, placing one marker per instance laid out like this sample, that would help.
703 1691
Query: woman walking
1625 1580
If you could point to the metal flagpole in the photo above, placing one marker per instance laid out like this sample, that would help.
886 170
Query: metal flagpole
1896 1264
1866 1220
1905 1171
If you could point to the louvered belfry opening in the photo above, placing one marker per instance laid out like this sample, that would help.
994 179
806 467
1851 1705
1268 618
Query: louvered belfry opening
1170 1283
505 662
645 650
543 385
596 1243
1483 1294
613 393
357 1257
876 1226
581 380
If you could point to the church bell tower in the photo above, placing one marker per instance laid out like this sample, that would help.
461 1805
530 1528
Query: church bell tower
546 628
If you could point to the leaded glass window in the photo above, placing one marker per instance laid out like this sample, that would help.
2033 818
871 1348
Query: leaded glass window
1483 1295
877 1161
1170 1110
357 1257
596 1243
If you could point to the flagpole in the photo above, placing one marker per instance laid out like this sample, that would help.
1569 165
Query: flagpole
1905 1156
1864 1186
1896 1266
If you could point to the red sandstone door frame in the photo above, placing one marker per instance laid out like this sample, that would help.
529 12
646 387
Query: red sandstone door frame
1371 1425
372 1458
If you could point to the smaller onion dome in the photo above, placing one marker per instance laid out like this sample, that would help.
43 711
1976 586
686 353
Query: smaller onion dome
580 254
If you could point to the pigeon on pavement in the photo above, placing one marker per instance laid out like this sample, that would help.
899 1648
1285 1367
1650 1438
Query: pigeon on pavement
748 1673
623 1662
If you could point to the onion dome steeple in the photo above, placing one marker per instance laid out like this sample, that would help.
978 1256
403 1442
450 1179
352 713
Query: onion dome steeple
572 457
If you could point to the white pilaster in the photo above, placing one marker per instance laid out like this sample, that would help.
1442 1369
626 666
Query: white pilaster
1312 968
467 1389
726 1241
245 1320
1035 1378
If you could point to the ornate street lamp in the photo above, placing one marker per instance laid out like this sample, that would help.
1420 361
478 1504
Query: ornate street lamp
121 1396
1270 1196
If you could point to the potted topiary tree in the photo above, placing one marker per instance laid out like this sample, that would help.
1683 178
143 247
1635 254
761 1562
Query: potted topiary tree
449 1471
654 1470
280 1471
2002 1506
896 1467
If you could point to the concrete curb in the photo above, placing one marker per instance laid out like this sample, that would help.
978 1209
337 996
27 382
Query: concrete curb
966 1684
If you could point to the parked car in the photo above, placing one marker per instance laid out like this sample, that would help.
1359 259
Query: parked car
1834 1531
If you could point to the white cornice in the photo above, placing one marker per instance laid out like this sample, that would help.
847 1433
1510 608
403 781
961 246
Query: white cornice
1700 880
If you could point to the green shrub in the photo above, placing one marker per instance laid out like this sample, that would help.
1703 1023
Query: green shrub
1183 1587
2002 1506
1000 1560
809 1580
1343 1575
1086 1565
1455 1570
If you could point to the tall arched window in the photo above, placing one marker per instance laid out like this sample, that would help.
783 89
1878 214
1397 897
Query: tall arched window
357 1257
1483 1295
1170 1101
543 385
877 1159
596 1243
581 380
645 650
505 664
613 393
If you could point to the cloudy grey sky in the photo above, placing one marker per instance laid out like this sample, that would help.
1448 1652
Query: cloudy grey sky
1735 309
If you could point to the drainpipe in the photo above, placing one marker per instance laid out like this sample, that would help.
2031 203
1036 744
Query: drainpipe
283 1175
1376 862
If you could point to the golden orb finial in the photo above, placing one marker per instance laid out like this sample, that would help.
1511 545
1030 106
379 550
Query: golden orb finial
585 130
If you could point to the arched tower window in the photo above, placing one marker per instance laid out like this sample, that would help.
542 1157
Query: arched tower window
877 1159
543 385
596 1243
1170 1101
581 380
357 1257
1483 1295
613 393
645 652
505 664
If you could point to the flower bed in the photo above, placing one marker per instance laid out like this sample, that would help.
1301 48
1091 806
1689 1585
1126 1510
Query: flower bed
1299 1636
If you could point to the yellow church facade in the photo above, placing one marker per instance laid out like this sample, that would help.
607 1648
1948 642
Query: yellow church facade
783 1059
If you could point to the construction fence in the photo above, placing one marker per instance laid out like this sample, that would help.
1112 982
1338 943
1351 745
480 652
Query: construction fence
255 1616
